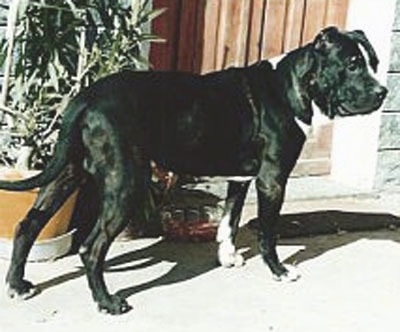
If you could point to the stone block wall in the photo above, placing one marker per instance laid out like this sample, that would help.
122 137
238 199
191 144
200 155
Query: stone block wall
388 167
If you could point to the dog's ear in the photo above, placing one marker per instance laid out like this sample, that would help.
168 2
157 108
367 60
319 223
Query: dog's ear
359 37
325 39
297 70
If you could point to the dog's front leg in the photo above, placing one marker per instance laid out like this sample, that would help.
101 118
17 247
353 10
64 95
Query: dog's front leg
270 193
227 230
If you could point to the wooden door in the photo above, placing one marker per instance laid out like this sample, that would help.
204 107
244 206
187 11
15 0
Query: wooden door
207 35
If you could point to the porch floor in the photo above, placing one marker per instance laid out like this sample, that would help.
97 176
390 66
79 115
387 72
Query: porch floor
350 279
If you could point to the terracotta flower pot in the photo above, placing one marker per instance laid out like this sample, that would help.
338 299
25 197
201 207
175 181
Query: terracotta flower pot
15 205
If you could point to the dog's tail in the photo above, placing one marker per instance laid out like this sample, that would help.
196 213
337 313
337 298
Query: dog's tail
62 151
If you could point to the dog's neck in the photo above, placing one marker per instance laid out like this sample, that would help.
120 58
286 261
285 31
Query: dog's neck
294 70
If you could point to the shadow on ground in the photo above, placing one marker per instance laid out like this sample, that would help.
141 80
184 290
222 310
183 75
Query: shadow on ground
323 231
319 231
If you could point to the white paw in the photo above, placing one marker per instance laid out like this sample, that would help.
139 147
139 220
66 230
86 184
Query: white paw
228 256
27 294
290 276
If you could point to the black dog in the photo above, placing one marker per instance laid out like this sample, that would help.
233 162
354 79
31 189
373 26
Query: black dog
235 122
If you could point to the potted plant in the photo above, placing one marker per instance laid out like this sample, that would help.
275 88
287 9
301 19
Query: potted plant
51 50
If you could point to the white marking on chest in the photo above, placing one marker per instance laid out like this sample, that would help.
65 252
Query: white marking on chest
305 128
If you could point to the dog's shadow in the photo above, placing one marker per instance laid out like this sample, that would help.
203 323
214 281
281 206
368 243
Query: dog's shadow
195 259
189 260
323 231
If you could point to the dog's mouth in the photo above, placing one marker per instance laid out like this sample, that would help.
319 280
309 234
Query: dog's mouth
344 109
363 104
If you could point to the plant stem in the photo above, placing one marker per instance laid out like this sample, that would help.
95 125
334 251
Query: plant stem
81 58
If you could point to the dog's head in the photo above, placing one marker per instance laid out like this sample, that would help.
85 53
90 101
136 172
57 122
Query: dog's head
334 71
341 81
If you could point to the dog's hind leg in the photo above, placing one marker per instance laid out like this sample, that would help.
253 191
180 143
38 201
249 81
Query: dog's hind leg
120 189
113 218
49 200
227 230
120 173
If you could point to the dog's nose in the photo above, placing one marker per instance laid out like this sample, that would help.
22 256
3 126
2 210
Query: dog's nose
381 92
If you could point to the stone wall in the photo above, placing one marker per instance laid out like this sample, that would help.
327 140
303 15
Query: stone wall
388 168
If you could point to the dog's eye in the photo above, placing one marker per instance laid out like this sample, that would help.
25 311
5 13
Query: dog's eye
354 63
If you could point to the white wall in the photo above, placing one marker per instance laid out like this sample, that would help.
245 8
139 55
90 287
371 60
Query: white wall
355 140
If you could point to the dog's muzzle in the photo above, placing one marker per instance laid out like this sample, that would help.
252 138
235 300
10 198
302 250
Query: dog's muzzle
374 103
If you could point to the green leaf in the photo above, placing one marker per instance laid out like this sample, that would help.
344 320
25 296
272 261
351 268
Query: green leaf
52 71
151 15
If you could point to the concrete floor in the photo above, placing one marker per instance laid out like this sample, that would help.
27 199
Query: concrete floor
350 279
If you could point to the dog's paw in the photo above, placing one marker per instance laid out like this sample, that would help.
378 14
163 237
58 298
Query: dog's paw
114 305
228 256
231 260
291 275
23 291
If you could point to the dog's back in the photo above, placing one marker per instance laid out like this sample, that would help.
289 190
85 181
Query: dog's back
188 123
